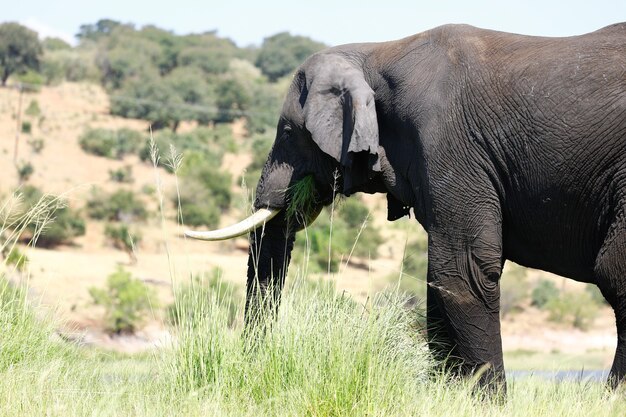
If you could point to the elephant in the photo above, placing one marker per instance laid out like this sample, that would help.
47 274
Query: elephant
503 146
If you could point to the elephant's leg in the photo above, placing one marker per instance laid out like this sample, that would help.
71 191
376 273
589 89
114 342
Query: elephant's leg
464 300
610 270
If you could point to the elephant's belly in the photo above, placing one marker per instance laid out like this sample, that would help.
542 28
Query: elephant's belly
554 249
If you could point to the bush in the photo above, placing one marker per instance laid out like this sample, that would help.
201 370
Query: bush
576 308
543 292
114 144
280 54
16 258
122 175
121 205
345 232
125 299
60 226
513 289
27 127
190 299
595 294
33 109
203 146
24 171
31 81
121 237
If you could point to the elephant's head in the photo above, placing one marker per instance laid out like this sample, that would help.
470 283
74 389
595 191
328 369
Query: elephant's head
328 134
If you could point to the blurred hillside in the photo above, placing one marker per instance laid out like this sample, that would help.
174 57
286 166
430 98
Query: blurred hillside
138 130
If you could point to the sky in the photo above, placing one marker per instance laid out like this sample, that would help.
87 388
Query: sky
333 22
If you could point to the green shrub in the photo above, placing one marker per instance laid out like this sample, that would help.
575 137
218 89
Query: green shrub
24 171
190 299
27 127
543 292
31 81
121 237
114 144
125 299
33 109
61 225
203 146
122 175
121 205
349 239
595 294
513 289
16 258
572 307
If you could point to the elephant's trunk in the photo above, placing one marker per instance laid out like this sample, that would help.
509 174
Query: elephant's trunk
268 260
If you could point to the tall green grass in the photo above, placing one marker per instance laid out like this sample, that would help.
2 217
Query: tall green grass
323 355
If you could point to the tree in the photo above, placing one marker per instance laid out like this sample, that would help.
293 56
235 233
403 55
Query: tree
101 28
20 50
282 53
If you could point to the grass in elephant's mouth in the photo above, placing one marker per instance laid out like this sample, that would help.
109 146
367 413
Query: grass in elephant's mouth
302 199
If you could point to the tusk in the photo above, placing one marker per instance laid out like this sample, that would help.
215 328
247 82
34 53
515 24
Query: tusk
258 218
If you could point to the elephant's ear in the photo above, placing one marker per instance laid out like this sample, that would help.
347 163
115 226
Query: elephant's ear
340 113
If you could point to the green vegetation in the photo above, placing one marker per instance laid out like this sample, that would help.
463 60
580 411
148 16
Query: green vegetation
121 205
113 144
27 127
123 175
190 306
15 258
345 236
514 288
24 171
543 292
576 308
282 53
54 224
123 238
126 301
20 50
33 109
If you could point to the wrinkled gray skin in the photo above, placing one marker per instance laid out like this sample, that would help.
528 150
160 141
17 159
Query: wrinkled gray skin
505 146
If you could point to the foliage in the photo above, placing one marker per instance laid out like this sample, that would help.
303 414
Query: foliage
204 194
543 292
63 223
282 53
33 109
190 306
514 288
123 238
302 199
121 205
125 299
27 127
69 64
596 295
30 81
202 146
412 280
122 175
110 143
24 171
55 44
16 258
350 238
261 147
20 50
577 308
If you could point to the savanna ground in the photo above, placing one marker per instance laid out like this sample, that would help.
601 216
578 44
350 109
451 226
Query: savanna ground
348 349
